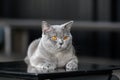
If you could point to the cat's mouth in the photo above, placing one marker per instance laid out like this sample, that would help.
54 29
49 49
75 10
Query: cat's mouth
59 47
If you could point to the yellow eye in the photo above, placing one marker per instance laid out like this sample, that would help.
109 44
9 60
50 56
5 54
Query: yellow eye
54 38
65 38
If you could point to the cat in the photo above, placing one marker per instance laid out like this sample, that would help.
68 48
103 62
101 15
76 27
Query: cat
53 50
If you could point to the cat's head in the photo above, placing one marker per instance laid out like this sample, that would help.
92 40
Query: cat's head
57 37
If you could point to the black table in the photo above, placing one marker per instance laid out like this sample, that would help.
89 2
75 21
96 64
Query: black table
18 69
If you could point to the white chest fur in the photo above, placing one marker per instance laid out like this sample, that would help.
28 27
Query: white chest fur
63 58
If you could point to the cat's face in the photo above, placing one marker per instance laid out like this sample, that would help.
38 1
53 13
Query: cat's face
57 37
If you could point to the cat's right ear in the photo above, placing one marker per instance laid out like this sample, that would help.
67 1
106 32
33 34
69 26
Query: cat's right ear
45 27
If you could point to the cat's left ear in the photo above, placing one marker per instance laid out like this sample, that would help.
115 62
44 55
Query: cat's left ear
68 25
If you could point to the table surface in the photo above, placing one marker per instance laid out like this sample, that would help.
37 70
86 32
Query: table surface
18 69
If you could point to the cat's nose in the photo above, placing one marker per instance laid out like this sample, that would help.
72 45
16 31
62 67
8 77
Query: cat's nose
61 43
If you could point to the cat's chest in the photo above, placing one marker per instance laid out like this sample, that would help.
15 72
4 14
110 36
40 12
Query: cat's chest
62 58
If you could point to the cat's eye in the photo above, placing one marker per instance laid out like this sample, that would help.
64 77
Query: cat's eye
54 38
65 38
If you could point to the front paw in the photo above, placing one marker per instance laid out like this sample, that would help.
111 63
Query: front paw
72 65
46 67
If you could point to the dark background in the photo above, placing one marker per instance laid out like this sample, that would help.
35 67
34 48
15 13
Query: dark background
88 43
85 10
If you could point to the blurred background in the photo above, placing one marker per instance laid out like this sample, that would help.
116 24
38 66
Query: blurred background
96 31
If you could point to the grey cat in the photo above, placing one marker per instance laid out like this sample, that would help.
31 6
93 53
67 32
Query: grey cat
53 50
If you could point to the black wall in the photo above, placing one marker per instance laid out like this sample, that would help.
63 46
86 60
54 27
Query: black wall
85 10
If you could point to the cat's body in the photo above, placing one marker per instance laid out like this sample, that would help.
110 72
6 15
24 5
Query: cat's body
53 50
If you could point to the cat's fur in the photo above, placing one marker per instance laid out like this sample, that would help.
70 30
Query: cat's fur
44 54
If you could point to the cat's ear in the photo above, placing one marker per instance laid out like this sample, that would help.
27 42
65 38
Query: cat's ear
68 25
45 26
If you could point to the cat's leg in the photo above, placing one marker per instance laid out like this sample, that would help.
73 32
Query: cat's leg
46 67
42 68
31 69
42 64
72 64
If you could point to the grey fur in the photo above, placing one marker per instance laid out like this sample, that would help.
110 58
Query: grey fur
45 54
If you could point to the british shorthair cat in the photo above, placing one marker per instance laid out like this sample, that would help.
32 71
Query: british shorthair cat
53 50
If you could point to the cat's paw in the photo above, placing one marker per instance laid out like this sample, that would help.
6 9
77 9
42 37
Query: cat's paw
72 65
46 67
